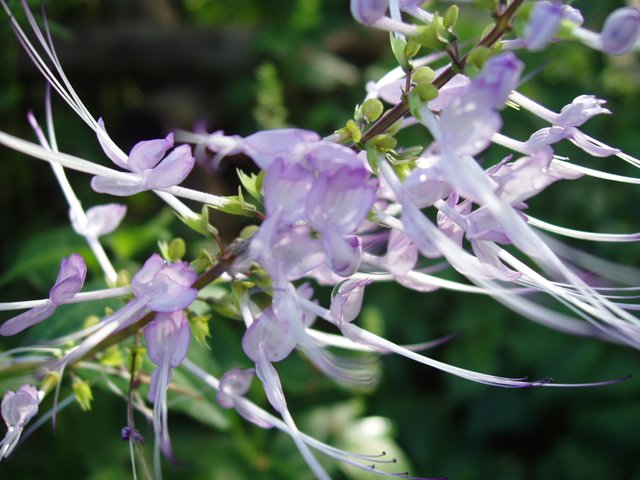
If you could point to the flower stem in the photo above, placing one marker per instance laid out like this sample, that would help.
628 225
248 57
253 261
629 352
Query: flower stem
501 27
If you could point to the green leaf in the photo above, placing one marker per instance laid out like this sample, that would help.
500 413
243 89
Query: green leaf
398 46
238 206
252 183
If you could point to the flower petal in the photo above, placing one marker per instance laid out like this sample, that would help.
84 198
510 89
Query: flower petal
117 186
148 153
172 170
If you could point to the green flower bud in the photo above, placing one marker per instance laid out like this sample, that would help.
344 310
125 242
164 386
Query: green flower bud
50 381
384 142
426 91
112 357
82 392
479 56
123 279
354 130
450 17
423 75
177 249
412 48
90 321
372 109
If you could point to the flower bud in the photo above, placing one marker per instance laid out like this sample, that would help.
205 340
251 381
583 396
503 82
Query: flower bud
423 75
621 31
372 109
451 17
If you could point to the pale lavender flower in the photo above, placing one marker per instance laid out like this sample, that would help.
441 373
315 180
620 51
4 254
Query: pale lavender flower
165 286
234 384
544 23
159 286
337 204
168 338
369 11
18 408
620 33
374 13
469 121
148 159
100 220
70 280
347 298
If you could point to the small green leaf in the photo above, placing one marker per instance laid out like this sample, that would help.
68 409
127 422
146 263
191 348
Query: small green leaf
398 46
252 183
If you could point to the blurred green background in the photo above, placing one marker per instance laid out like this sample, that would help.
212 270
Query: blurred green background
150 66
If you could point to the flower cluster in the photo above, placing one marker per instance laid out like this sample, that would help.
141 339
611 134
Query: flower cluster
345 210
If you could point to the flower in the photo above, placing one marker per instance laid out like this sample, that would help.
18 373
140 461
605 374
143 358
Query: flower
545 21
168 338
620 32
70 280
99 220
159 286
151 164
18 408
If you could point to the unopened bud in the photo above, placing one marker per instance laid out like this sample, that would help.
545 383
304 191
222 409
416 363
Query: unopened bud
83 393
372 109
451 17
384 142
426 91
423 75
177 249
479 56
354 130
123 279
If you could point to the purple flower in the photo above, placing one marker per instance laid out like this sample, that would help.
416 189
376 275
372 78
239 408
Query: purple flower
347 300
621 31
340 201
18 408
159 286
369 11
70 280
274 335
99 220
149 161
233 383
544 22
165 286
168 338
